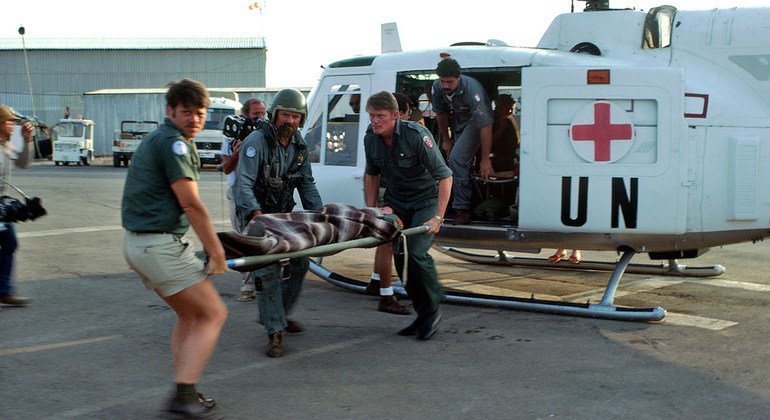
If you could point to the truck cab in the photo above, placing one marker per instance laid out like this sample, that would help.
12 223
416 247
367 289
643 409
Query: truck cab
73 142
127 139
209 141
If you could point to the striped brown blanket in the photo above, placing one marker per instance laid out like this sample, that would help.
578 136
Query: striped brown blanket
287 232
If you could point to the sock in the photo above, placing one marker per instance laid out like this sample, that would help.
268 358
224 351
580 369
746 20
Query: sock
186 393
375 277
386 291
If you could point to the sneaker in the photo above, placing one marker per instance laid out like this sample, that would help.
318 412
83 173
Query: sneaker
201 409
274 345
246 296
207 402
15 300
373 288
294 327
391 305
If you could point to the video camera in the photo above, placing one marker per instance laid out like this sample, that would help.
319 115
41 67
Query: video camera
237 127
13 210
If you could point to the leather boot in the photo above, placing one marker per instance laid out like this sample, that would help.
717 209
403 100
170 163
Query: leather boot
391 305
275 345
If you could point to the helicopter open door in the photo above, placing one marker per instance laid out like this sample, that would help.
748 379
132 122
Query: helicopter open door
603 151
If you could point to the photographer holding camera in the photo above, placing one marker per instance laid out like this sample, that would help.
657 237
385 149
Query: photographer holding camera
8 240
236 129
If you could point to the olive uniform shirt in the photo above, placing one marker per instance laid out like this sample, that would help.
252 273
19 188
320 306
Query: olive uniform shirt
149 203
411 166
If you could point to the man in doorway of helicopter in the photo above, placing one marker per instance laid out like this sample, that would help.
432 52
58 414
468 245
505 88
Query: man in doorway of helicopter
464 117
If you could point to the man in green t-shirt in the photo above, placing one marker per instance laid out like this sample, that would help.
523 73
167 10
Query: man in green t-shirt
160 203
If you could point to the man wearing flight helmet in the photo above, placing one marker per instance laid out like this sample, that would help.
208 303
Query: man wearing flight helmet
272 164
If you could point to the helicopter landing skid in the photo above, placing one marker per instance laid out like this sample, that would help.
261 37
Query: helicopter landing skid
605 309
672 268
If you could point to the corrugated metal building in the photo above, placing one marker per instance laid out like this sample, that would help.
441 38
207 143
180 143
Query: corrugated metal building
62 69
108 107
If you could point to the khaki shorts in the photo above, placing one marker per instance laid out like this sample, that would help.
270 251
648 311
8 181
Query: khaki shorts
165 262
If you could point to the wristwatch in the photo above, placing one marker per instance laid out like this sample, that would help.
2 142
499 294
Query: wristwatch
439 218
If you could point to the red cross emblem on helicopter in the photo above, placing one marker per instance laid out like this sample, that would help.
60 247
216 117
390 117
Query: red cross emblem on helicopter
601 132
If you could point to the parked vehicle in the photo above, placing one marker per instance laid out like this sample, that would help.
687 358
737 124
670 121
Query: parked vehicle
73 142
127 139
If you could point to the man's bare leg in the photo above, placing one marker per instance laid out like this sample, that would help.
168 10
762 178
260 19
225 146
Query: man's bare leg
383 266
200 317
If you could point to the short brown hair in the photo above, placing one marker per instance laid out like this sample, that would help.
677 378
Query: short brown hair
187 92
382 101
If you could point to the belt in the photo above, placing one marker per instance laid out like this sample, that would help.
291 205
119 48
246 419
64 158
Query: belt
153 232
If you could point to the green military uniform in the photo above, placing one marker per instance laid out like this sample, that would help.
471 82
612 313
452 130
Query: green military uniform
149 205
411 166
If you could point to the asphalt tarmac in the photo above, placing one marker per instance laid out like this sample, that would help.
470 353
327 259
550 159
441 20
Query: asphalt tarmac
95 344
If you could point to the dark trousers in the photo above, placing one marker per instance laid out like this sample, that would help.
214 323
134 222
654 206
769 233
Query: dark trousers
422 284
277 297
8 245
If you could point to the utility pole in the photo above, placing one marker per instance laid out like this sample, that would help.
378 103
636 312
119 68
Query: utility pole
26 64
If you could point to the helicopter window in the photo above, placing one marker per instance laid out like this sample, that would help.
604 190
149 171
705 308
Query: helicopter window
657 27
340 141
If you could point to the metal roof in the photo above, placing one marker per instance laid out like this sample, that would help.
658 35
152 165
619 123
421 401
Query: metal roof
234 43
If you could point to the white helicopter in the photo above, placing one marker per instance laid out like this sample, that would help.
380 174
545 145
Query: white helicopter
639 133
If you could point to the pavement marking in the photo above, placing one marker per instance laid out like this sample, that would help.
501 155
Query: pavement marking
673 318
754 287
143 395
41 347
87 229
55 232
469 286
628 288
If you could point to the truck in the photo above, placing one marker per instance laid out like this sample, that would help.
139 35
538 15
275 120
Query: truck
209 141
127 139
73 142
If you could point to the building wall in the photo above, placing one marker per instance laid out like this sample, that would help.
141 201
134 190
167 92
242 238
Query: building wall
60 77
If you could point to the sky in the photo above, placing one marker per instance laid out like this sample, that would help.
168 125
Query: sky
303 35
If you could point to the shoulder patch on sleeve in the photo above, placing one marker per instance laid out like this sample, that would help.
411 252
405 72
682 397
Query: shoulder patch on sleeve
251 152
179 147
477 97
428 142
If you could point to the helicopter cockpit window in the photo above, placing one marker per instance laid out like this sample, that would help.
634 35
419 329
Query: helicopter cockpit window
344 113
339 143
657 27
